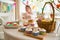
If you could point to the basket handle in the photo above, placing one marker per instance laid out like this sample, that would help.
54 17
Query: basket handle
52 9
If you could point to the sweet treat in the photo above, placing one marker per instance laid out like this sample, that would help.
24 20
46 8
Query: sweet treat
15 24
35 31
29 30
30 21
42 31
25 23
22 29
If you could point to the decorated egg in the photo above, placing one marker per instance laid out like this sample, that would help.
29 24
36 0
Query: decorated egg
25 23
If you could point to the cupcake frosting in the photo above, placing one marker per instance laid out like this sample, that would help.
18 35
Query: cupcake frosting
43 30
23 27
28 29
35 31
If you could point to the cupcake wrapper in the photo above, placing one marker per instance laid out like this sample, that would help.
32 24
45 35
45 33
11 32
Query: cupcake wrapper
35 34
29 32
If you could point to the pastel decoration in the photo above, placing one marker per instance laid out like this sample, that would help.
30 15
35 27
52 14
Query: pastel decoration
31 0
9 7
14 4
4 7
23 3
27 3
33 7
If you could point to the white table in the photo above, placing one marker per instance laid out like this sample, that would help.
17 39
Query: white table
13 34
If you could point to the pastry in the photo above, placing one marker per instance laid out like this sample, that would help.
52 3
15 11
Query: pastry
35 31
29 30
42 31
22 29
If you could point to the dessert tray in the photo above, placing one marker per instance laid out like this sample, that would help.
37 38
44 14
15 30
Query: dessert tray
40 37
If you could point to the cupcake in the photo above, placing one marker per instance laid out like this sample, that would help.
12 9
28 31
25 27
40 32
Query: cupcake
42 31
35 32
25 24
22 29
29 30
15 24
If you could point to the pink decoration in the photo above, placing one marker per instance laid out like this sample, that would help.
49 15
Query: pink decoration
27 2
14 4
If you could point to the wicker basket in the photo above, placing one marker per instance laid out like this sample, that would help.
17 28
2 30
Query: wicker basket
50 25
